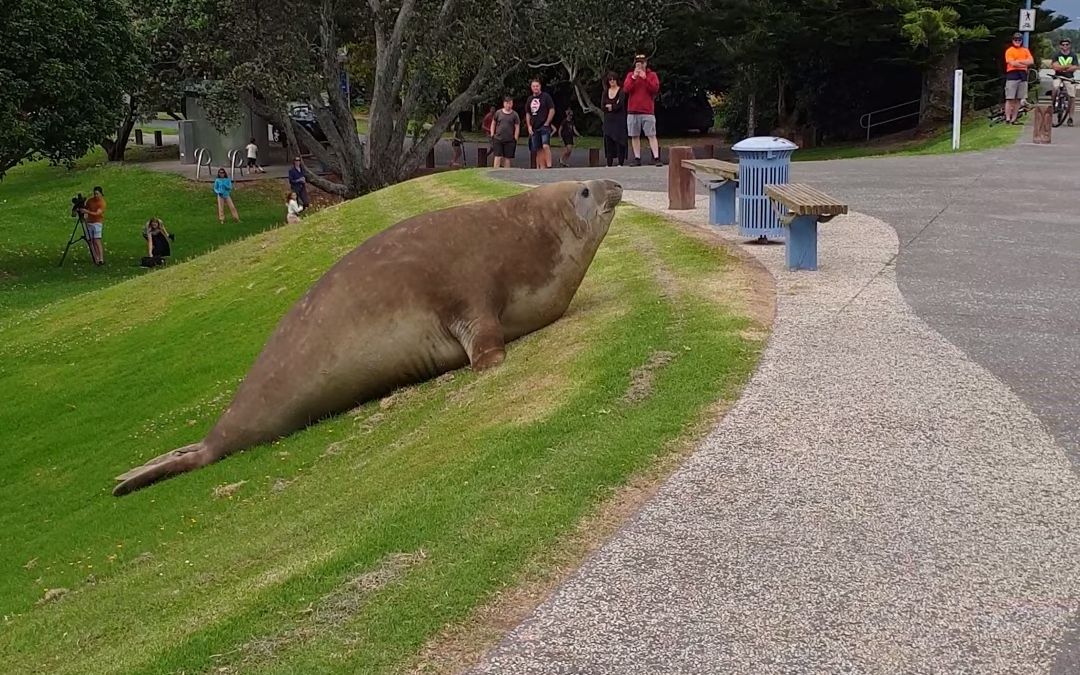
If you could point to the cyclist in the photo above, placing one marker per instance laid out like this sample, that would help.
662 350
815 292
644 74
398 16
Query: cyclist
1066 63
1017 61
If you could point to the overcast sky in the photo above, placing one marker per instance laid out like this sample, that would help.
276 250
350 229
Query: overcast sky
1070 8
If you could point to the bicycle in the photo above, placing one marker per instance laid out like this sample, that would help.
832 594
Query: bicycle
997 113
1060 99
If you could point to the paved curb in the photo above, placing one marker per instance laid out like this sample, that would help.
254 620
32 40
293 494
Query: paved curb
875 502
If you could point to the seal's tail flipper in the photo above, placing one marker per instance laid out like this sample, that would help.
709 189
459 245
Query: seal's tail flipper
170 464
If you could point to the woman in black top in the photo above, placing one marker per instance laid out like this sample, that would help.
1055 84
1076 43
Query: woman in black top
613 103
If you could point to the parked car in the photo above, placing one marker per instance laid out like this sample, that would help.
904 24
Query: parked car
303 114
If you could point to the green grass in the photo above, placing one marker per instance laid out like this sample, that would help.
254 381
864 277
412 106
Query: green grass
977 134
353 543
35 223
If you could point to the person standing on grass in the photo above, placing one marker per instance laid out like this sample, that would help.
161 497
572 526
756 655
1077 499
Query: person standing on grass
94 212
1066 63
253 157
1017 61
568 133
641 86
539 111
298 182
223 189
613 103
505 130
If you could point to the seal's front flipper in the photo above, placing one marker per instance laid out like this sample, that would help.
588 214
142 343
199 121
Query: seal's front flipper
171 463
482 340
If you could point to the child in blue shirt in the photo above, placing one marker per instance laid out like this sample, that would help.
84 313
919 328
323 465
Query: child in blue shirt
223 189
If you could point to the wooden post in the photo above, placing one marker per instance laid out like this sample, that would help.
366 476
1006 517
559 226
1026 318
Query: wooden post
594 157
138 137
532 159
680 180
710 151
157 138
430 159
1043 124
481 156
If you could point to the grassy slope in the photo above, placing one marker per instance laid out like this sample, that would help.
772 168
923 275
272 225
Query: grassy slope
354 542
35 223
977 134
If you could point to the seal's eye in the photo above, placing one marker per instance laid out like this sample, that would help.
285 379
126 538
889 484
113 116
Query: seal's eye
585 192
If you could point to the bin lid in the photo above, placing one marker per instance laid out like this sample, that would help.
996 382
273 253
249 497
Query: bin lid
763 144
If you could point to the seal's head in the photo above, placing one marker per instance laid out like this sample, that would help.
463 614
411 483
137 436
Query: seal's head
593 205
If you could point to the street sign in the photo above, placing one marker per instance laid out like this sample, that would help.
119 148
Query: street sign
1027 20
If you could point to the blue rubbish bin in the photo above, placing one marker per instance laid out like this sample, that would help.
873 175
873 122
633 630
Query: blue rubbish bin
763 160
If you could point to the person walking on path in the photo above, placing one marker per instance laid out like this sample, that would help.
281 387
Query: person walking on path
613 103
505 130
1066 63
1018 59
298 182
253 157
223 186
641 86
568 133
94 211
539 111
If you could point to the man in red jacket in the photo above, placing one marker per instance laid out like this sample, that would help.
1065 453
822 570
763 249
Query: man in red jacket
641 86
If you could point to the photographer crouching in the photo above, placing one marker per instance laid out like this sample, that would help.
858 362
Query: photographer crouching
94 212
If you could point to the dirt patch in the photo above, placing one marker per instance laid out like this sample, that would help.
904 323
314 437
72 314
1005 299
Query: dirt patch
642 377
324 616
228 491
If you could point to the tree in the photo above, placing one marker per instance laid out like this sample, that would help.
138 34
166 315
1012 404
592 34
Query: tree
432 60
156 69
586 37
62 74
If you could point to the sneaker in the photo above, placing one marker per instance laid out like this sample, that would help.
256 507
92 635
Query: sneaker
1069 122
635 162
658 162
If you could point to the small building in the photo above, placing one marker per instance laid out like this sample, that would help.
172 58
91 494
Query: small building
196 131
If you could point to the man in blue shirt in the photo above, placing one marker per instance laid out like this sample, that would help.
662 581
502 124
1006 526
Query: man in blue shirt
298 183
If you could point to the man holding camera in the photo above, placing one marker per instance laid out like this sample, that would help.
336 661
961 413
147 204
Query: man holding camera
641 86
94 212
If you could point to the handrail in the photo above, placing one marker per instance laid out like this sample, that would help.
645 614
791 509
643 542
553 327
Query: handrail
865 123
200 153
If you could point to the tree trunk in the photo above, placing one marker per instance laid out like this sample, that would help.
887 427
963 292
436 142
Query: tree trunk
751 114
937 94
115 149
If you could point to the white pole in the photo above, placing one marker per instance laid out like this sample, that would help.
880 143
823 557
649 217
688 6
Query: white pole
957 103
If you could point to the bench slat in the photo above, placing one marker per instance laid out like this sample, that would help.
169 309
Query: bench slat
803 200
728 170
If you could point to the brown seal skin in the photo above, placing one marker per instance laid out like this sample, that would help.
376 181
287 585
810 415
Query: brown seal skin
426 296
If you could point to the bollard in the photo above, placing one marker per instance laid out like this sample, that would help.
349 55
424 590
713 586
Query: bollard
157 138
138 137
680 180
1043 124
594 157
430 159
532 159
481 156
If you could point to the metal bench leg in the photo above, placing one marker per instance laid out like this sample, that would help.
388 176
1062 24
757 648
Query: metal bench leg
722 203
801 251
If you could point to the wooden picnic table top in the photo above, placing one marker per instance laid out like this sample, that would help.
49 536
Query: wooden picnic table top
803 200
729 170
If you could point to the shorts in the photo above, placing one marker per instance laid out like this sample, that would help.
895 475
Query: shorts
539 138
568 139
1070 87
94 230
505 149
1016 89
635 124
251 162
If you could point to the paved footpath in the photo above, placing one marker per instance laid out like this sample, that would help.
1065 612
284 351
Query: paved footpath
896 491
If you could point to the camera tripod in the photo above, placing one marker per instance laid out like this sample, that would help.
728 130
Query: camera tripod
80 223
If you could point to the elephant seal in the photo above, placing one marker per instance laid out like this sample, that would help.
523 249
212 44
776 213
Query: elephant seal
423 297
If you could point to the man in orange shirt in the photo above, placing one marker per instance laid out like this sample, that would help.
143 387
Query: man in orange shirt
95 218
1017 61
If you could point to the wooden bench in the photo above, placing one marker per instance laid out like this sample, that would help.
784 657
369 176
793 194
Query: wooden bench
722 181
801 208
